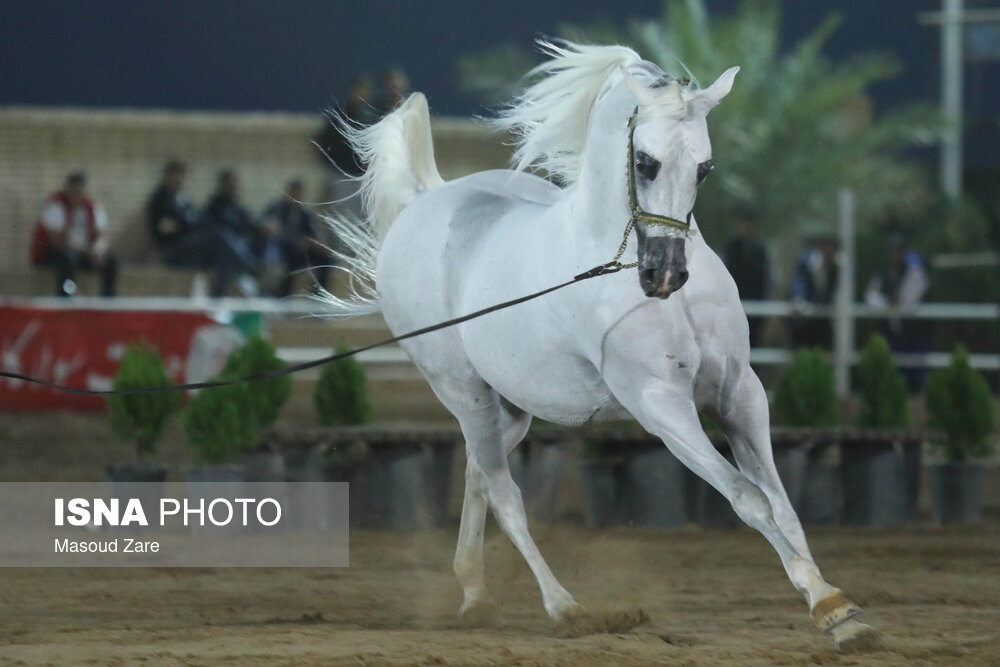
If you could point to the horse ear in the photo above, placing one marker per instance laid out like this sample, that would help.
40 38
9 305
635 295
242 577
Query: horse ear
721 87
642 93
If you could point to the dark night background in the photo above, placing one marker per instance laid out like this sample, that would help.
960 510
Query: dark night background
300 55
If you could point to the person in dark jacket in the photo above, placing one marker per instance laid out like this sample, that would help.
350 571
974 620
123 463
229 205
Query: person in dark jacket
171 214
185 240
815 283
291 225
746 258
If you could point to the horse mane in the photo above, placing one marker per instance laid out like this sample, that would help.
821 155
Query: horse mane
550 117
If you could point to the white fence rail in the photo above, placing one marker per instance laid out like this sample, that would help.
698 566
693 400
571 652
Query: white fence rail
304 308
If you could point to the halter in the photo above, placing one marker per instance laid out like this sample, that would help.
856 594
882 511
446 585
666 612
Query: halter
636 212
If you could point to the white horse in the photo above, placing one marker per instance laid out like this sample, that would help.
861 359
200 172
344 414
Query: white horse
606 348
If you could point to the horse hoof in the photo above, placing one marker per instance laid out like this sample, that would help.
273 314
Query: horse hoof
832 611
479 613
578 622
856 637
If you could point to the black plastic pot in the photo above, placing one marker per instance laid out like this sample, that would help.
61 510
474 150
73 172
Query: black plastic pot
305 464
871 476
655 487
713 509
821 496
308 505
396 490
356 476
913 464
958 491
438 461
536 467
600 484
791 458
216 481
137 480
264 466
135 472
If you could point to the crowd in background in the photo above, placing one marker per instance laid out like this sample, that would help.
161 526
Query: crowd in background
260 254
252 253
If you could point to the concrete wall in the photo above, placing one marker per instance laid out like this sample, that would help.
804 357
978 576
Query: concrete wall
123 152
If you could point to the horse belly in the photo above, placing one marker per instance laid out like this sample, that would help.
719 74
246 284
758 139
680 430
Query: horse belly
559 387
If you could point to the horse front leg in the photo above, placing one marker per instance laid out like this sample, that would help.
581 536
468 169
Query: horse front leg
743 416
667 410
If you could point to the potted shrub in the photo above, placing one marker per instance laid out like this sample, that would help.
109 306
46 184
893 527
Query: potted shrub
221 424
255 356
873 465
960 404
140 418
341 399
806 399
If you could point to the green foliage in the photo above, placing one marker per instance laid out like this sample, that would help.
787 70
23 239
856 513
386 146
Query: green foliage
882 395
806 394
140 418
795 127
341 397
959 402
221 423
257 356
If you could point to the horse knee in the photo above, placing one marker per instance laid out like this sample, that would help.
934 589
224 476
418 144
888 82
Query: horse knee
751 503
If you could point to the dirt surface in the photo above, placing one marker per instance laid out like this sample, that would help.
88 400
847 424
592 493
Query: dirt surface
713 597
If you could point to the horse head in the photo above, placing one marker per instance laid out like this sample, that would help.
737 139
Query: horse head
669 155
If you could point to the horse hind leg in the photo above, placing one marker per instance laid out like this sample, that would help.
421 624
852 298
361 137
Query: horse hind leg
489 484
478 606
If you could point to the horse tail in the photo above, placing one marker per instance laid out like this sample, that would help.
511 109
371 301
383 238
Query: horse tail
399 157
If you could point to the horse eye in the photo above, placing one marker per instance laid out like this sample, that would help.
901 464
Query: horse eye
647 165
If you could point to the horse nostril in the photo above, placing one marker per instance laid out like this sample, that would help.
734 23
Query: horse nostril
647 276
703 170
682 278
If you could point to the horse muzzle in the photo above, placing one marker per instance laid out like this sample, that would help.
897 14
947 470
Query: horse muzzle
662 265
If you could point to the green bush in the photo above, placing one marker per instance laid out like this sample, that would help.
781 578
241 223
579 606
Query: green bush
257 356
882 395
959 402
222 422
806 394
341 397
140 418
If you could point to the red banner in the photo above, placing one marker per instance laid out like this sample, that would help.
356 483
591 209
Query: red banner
82 348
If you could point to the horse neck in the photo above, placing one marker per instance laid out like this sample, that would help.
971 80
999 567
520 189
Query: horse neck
601 195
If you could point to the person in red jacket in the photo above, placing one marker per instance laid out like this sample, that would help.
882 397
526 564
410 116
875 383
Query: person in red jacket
70 234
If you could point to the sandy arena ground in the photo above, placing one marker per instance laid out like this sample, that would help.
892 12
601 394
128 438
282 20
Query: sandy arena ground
714 597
